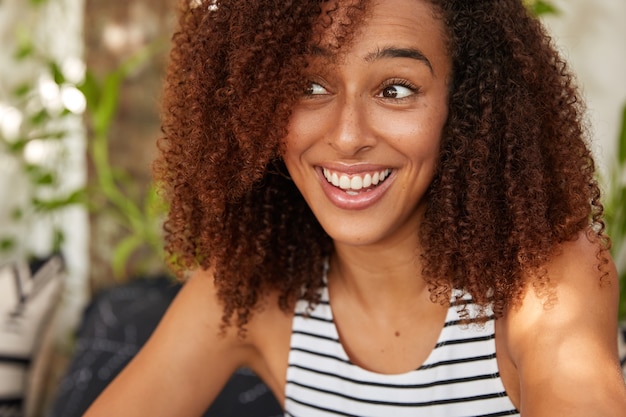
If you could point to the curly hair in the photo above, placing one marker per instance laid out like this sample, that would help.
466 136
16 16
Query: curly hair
516 176
514 179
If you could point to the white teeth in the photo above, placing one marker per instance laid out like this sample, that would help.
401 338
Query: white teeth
367 180
344 182
356 182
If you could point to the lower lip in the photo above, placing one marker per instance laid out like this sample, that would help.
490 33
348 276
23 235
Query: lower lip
360 201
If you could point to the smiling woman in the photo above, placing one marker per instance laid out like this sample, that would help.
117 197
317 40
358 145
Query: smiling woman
375 109
370 199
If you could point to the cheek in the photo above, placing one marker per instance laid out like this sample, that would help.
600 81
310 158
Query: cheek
289 153
303 130
293 140
295 145
415 134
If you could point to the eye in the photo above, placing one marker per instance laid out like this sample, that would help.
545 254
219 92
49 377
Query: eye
397 89
314 89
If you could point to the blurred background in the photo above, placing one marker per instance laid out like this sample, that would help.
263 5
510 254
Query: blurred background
80 82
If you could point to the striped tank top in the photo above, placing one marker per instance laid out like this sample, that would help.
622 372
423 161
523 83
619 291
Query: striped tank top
460 378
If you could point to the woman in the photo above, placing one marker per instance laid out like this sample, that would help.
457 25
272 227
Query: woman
376 197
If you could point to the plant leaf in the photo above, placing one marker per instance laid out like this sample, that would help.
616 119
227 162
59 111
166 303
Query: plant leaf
24 51
76 197
18 145
91 89
57 74
7 244
107 105
17 214
542 7
622 304
47 178
621 139
40 117
22 90
122 252
57 240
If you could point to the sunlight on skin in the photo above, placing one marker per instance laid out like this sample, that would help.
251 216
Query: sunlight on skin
558 333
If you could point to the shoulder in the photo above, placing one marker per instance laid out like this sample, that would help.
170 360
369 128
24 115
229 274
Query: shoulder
562 337
186 361
213 352
579 286
200 305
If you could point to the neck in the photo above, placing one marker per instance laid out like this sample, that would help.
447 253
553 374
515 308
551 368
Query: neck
378 277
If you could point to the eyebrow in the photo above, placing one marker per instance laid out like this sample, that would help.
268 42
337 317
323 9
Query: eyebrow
386 52
395 52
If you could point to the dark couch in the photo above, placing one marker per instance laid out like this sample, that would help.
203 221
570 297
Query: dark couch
114 327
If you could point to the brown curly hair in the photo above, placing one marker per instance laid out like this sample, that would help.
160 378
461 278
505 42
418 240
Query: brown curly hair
515 176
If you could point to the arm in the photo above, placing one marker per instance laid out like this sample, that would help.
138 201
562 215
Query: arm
184 364
565 350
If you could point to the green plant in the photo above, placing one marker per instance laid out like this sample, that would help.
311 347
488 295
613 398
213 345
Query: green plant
615 210
139 217
541 7
110 193
34 143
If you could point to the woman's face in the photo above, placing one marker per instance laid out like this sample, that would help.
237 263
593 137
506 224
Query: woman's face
363 141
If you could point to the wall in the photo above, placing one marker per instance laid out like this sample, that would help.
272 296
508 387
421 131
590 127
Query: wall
592 36
115 31
20 20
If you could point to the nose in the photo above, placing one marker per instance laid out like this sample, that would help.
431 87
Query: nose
351 133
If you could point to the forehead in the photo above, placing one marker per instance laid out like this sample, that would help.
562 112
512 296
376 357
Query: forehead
380 24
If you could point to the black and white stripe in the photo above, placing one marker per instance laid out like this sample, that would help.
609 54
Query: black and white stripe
460 378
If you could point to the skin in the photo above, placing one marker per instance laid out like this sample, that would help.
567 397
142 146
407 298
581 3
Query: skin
369 110
358 117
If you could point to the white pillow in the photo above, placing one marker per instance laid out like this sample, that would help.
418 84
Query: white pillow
29 294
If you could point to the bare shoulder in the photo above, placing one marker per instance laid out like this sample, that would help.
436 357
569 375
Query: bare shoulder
562 339
582 287
186 361
270 334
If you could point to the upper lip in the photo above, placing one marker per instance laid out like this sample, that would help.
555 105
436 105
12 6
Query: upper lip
354 169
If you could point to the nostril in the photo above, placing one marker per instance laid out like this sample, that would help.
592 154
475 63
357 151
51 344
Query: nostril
351 133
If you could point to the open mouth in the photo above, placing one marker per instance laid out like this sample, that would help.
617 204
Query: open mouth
357 183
